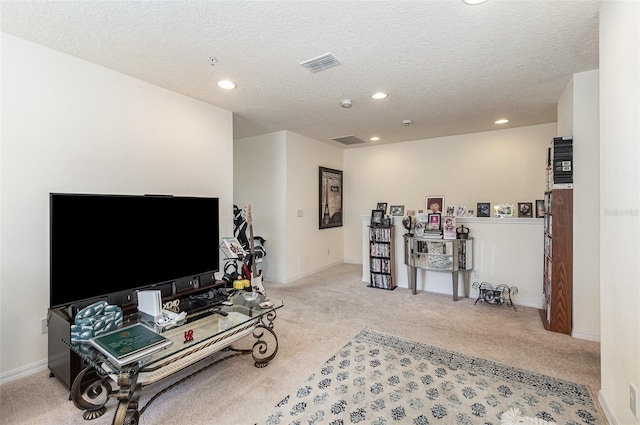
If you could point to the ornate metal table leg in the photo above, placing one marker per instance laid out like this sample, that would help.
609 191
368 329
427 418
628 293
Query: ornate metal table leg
263 352
127 410
84 400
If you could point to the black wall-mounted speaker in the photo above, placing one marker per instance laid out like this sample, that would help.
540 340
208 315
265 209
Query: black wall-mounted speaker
122 298
207 279
186 283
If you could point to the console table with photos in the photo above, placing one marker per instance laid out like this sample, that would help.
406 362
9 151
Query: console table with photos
202 335
444 255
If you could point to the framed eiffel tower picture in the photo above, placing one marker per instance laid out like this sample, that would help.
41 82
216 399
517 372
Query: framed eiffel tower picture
330 195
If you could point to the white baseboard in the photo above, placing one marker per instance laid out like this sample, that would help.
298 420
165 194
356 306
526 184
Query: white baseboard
606 410
29 369
352 261
309 273
267 278
272 279
586 335
473 294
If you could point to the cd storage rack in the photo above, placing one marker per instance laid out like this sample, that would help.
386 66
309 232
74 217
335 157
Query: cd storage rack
381 261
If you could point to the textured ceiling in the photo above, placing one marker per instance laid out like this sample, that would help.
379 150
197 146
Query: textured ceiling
448 67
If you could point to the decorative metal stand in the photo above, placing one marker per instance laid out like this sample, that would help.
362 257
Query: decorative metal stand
491 295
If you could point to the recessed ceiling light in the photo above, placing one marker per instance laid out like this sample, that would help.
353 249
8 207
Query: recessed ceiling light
472 2
374 139
501 121
226 84
378 95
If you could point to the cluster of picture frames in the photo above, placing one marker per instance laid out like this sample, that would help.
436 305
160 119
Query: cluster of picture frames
434 205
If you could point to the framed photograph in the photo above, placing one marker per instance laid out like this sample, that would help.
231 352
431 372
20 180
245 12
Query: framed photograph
484 209
376 217
450 210
434 204
382 206
396 210
471 213
330 195
421 226
434 220
449 228
460 211
525 209
540 211
504 210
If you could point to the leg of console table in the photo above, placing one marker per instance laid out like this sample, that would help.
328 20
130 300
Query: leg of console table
454 277
86 400
264 351
266 346
412 272
127 411
466 283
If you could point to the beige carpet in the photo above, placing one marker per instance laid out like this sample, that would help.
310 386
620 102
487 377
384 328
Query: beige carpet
321 313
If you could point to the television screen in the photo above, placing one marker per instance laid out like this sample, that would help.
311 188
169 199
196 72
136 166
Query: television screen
102 244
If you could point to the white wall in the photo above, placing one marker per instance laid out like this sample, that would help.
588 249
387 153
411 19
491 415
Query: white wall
578 112
565 111
494 166
619 206
586 227
278 174
71 126
260 179
310 249
498 258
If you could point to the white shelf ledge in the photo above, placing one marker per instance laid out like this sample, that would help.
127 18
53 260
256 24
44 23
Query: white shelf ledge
484 220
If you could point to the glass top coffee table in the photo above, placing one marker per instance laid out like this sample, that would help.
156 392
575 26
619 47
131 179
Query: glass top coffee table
203 334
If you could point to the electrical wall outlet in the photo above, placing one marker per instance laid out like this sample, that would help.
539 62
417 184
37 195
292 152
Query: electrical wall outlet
475 274
633 400
44 326
328 252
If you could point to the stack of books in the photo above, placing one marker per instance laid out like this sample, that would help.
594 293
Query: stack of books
432 234
560 163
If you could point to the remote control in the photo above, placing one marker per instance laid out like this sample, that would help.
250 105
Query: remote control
221 312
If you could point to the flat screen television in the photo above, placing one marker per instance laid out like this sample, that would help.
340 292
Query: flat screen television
104 244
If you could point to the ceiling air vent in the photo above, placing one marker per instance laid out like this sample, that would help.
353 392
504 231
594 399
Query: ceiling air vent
321 63
348 140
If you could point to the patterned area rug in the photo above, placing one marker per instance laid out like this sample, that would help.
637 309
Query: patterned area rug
379 379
